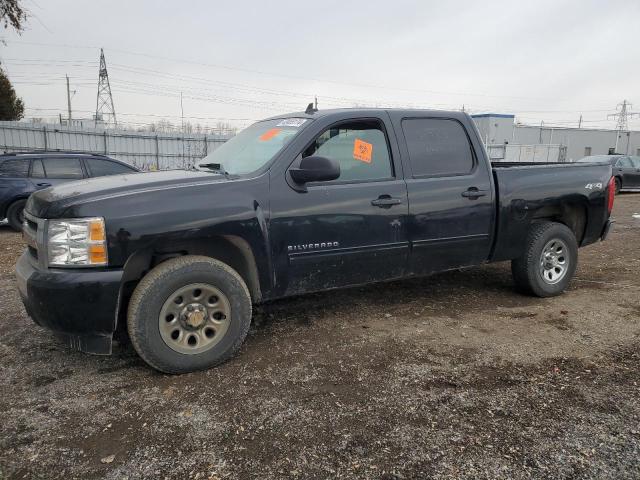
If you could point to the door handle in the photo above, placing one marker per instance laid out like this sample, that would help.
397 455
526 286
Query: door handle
473 193
385 201
43 184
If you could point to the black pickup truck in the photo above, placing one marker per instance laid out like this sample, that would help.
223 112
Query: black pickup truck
294 204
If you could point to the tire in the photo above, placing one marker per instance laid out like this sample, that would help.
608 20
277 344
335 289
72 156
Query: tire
15 214
549 261
154 340
618 185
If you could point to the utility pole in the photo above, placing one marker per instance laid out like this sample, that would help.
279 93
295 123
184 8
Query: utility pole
68 100
104 102
622 117
181 114
580 122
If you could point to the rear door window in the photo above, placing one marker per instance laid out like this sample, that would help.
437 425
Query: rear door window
437 147
100 168
63 168
14 168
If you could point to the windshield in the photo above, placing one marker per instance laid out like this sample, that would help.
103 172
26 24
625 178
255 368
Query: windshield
596 159
253 147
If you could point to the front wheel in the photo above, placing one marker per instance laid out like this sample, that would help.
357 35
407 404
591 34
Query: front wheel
549 261
15 214
618 185
189 313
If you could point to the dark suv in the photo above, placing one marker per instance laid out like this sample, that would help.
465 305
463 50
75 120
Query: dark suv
21 174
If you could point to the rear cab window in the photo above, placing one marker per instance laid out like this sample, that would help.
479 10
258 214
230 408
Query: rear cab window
360 147
438 147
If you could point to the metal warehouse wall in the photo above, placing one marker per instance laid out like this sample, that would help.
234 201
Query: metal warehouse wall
147 151
496 129
579 140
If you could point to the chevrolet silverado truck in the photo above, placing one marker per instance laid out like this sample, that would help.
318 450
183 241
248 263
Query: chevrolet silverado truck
294 204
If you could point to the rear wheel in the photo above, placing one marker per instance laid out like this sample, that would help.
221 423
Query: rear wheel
549 260
189 313
618 185
15 214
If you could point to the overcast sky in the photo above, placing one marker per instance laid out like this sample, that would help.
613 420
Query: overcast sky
542 60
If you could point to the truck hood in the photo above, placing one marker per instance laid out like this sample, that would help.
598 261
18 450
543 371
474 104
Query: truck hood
53 201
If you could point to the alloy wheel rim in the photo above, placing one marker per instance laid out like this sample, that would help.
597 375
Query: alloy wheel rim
554 261
194 318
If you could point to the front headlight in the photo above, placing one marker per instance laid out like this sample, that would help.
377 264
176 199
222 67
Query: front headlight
78 241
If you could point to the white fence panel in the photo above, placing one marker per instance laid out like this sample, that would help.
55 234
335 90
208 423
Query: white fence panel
148 151
527 153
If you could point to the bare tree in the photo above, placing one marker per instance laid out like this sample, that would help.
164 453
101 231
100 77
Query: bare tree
12 13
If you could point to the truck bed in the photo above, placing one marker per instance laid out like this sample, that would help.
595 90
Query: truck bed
574 193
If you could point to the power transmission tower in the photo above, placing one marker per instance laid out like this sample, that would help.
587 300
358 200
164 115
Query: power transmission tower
622 117
104 103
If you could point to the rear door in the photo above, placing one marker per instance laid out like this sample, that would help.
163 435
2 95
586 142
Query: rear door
347 231
451 204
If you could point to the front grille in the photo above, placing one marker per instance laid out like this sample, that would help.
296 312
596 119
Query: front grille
31 224
31 232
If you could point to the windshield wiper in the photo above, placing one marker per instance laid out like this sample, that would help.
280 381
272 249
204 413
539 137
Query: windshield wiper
216 167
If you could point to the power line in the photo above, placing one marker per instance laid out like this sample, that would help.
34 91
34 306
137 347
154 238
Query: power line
274 74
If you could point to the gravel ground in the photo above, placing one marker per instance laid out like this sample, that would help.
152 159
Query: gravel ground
452 376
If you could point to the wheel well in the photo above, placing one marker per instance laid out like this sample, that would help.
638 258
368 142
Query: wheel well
230 249
572 215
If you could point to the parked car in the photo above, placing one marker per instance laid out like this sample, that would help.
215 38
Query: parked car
21 174
626 169
295 204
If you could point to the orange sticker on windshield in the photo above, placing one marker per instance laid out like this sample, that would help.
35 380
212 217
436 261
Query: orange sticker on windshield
362 150
269 134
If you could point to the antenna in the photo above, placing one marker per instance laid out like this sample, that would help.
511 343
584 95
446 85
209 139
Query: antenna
104 102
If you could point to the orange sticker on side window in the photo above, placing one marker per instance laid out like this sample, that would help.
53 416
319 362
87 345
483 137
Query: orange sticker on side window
269 134
362 150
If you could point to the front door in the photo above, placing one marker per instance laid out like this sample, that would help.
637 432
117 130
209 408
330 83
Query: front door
635 174
451 205
623 168
347 231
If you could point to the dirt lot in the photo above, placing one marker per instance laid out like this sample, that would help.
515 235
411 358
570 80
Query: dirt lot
453 376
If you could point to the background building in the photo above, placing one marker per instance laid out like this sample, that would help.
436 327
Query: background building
508 140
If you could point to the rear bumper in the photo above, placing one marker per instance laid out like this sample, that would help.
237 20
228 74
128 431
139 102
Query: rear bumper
79 305
607 229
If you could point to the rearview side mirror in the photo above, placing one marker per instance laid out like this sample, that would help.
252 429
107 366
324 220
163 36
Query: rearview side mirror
315 169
